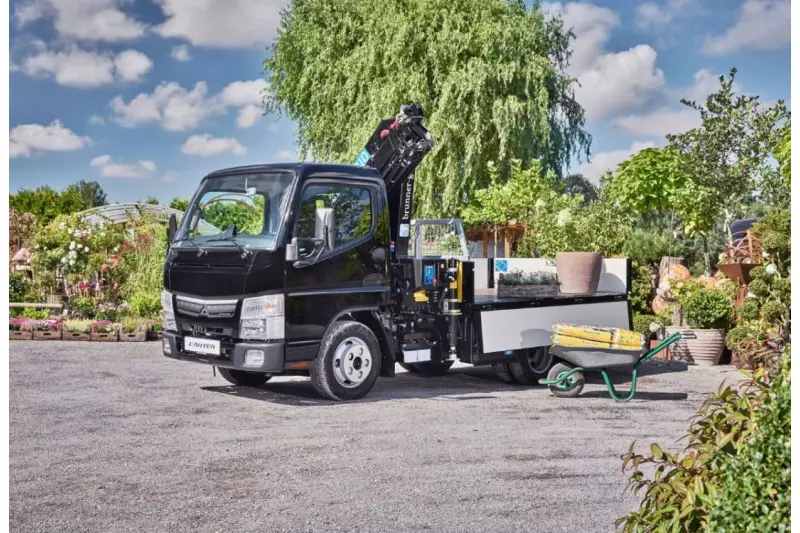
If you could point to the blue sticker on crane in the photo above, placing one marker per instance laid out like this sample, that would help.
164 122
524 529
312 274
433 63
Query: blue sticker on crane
362 158
500 265
429 274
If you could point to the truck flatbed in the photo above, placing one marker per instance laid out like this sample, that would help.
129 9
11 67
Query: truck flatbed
489 301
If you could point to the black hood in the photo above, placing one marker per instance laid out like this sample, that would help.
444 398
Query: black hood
223 272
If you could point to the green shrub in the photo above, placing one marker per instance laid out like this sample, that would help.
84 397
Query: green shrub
759 288
756 487
19 287
773 311
736 336
782 287
82 306
641 296
646 246
642 321
749 309
36 314
707 309
759 272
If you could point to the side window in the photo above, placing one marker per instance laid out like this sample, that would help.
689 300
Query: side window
352 209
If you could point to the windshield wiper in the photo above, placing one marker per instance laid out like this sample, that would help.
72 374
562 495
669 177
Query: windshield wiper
200 249
229 235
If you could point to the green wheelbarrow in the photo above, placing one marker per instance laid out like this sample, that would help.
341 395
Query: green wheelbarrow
566 380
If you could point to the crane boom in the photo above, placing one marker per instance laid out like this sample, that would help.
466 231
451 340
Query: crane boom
395 150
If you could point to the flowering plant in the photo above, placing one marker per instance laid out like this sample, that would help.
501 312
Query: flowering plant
42 325
20 324
103 326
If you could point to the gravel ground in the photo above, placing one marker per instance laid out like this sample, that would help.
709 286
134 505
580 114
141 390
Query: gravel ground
119 438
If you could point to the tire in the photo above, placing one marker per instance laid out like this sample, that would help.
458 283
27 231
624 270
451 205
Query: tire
577 381
503 372
348 362
531 365
243 378
431 368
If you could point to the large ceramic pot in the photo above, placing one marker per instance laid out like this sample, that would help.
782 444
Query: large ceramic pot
705 350
579 272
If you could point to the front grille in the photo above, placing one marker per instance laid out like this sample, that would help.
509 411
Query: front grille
205 308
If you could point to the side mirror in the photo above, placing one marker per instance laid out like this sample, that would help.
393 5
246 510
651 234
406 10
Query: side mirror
291 251
325 227
172 227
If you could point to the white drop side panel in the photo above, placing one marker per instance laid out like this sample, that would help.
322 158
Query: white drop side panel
514 329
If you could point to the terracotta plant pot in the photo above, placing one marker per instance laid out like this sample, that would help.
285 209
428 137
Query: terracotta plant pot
663 354
705 350
579 272
17 335
739 272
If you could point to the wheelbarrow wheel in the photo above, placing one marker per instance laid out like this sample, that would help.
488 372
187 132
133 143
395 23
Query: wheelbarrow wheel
572 387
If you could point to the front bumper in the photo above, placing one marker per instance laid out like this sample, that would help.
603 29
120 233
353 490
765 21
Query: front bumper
233 356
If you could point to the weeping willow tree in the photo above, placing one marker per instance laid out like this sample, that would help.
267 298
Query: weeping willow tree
490 75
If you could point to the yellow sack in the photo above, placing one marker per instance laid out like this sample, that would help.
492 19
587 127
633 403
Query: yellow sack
575 342
622 337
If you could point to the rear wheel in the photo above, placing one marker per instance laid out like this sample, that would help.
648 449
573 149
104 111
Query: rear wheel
246 379
503 372
348 363
531 365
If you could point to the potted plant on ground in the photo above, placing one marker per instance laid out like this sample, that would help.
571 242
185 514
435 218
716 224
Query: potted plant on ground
47 330
19 329
133 330
104 331
707 313
76 329
518 284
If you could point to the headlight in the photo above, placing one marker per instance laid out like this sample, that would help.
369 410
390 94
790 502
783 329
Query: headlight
262 318
169 312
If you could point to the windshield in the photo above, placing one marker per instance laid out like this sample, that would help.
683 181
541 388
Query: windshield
253 203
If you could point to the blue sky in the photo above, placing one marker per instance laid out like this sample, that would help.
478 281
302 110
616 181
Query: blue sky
147 96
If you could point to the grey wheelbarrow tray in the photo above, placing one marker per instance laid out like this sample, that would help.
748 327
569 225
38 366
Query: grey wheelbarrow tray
566 379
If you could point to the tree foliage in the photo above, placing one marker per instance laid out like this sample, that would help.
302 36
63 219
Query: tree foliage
649 180
577 184
726 158
181 204
91 192
490 74
46 203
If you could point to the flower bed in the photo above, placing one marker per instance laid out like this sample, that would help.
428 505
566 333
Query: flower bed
104 331
19 329
133 330
76 330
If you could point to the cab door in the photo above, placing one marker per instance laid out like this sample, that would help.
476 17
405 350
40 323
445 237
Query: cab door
351 274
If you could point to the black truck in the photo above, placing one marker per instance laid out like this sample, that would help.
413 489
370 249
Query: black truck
316 269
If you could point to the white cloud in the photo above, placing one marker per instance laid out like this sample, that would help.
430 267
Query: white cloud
610 82
97 120
677 118
74 67
207 145
132 65
170 176
109 169
87 20
654 16
181 53
242 93
603 161
26 140
762 25
660 123
221 23
179 109
176 108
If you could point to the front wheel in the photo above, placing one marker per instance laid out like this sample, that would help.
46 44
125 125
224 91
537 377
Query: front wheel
245 379
348 363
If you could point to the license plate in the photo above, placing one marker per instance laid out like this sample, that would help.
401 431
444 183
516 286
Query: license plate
203 346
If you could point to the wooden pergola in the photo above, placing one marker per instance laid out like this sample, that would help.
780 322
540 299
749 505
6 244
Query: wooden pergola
509 233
